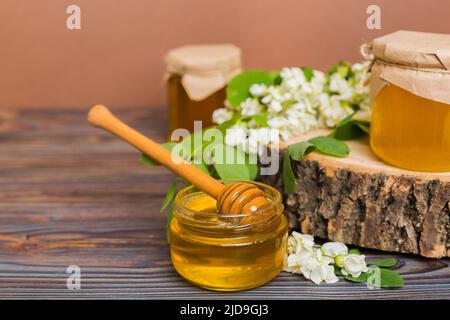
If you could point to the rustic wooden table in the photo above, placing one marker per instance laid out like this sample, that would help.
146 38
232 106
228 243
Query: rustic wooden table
71 194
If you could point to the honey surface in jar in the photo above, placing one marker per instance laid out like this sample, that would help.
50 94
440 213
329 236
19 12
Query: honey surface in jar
227 259
410 132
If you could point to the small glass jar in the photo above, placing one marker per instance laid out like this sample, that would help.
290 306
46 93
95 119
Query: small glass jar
410 94
226 252
183 110
196 79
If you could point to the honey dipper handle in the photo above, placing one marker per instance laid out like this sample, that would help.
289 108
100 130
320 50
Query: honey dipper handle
101 117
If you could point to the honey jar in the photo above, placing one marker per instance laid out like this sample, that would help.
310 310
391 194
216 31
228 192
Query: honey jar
196 80
227 252
410 94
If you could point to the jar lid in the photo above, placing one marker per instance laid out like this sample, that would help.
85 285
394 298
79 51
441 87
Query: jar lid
204 57
204 69
415 49
417 62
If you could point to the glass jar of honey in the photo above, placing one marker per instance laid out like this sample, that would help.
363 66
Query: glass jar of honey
196 80
227 252
410 93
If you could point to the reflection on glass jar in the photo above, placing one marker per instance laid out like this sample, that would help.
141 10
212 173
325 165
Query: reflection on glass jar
227 252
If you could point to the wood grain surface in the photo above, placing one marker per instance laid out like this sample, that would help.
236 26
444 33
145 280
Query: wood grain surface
71 194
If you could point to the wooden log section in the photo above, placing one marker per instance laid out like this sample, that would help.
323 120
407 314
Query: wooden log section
363 201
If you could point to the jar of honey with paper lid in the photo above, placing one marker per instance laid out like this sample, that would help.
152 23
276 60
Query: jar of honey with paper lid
196 79
410 94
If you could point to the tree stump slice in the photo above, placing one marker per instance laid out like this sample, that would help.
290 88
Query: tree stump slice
362 201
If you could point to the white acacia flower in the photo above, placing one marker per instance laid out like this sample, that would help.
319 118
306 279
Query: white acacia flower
305 242
297 105
307 259
292 77
250 107
318 77
354 264
323 272
275 106
315 267
252 145
292 263
341 86
265 135
292 245
278 122
258 90
274 94
221 115
301 122
235 136
332 110
333 249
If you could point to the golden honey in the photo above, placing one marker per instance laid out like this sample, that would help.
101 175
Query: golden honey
220 252
409 131
183 111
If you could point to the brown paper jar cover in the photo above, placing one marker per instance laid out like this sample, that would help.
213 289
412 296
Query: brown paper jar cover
418 62
196 79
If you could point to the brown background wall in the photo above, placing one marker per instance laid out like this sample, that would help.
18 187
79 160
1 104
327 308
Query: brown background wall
116 57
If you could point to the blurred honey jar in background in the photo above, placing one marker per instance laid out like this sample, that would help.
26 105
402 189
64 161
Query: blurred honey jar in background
410 93
196 79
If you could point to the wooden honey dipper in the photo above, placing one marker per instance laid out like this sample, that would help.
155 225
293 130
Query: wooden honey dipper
237 198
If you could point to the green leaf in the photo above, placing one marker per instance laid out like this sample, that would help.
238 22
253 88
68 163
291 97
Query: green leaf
191 145
348 129
364 126
330 146
342 67
228 124
252 170
260 119
337 271
202 167
289 181
169 221
298 151
238 88
385 278
170 194
231 168
384 263
150 161
354 251
308 72
361 278
275 77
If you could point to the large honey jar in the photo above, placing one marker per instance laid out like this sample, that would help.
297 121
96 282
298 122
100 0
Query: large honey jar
196 79
410 93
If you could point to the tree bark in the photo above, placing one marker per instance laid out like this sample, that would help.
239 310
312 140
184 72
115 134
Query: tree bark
362 201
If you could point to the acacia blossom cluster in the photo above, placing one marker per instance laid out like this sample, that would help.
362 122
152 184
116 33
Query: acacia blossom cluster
303 99
317 263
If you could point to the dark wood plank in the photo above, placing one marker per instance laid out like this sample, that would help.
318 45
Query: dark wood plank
73 194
